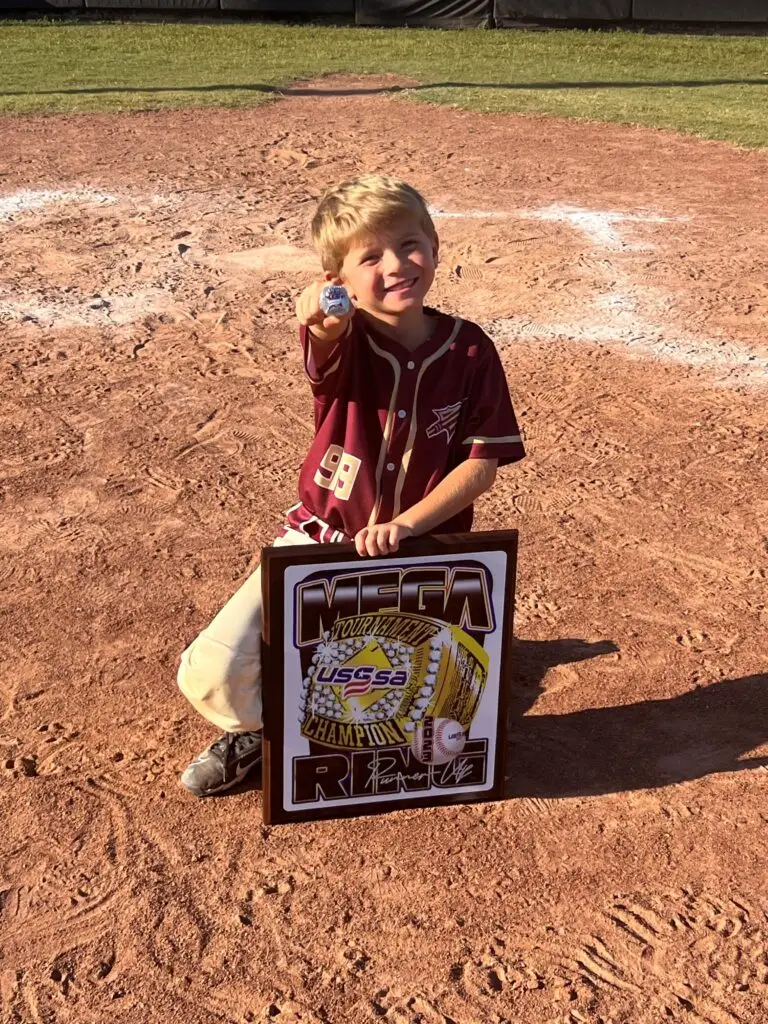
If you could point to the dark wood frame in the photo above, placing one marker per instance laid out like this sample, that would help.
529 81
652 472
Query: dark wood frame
274 561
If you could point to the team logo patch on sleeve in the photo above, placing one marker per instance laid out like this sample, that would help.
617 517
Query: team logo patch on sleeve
446 420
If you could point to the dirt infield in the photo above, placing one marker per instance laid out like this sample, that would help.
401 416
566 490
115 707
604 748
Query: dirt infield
153 420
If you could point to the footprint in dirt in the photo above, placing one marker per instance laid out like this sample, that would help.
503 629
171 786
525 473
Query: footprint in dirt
395 1006
680 953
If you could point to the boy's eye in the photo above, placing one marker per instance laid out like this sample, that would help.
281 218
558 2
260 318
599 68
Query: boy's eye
370 258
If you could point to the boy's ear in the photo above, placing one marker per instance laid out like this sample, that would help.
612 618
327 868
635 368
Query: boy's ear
339 279
332 278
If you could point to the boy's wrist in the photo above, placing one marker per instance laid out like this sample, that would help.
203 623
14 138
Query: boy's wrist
318 333
405 522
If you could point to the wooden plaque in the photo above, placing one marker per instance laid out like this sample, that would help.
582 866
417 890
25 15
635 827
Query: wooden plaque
385 679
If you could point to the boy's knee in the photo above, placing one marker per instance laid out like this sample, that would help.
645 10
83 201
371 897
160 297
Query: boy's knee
223 685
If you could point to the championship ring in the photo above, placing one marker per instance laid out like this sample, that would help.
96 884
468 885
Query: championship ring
334 300
388 679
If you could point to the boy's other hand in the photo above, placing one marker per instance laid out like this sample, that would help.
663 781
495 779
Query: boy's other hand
382 539
310 313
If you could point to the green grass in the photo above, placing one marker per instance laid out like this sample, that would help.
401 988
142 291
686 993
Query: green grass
715 87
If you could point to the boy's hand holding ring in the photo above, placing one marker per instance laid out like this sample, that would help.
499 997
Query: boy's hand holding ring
325 308
334 300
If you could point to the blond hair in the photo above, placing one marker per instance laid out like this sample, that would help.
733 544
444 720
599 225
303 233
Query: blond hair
363 206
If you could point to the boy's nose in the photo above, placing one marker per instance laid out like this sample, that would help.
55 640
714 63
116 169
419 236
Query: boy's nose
392 262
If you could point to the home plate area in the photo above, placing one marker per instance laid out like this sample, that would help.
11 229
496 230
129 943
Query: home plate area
154 417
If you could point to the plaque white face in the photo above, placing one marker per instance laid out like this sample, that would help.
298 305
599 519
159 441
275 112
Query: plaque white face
392 674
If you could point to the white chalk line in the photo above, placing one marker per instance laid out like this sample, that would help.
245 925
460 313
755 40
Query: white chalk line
597 225
117 310
637 334
33 200
626 327
641 339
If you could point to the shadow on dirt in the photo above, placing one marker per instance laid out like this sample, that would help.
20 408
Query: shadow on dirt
614 749
635 746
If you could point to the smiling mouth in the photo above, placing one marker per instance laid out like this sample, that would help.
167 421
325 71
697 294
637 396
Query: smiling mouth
402 286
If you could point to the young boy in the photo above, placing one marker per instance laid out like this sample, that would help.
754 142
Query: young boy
412 418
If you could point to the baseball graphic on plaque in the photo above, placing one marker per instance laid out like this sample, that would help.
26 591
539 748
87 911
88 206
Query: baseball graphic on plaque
438 740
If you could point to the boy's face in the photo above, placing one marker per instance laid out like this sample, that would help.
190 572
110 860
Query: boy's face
389 273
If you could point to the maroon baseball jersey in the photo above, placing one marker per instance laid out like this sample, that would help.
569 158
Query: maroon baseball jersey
391 424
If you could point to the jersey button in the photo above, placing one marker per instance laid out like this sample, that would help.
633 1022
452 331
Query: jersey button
402 414
411 365
390 466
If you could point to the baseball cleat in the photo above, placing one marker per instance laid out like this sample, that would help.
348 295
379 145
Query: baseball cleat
222 765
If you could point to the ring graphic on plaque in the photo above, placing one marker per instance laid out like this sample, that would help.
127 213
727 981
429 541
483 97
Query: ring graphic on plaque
385 678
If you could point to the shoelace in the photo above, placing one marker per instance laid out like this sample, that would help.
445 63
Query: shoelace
243 742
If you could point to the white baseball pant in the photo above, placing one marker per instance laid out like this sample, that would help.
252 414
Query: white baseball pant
220 671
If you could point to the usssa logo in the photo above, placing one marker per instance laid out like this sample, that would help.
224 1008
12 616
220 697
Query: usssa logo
361 679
